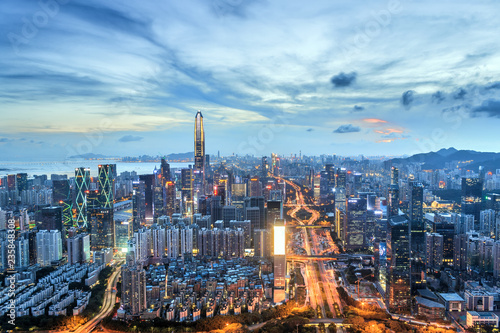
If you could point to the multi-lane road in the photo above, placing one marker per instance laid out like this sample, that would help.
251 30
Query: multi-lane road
107 306
318 282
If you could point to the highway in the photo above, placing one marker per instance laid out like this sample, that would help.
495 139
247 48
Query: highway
108 304
313 279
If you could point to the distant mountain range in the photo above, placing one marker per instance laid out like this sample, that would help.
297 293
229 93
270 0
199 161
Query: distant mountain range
469 159
91 156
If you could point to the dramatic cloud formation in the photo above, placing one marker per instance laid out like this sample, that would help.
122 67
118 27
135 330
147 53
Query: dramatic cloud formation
349 128
459 94
97 73
130 138
343 80
407 98
438 97
490 108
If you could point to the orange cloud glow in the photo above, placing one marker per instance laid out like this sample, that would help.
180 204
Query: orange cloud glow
374 120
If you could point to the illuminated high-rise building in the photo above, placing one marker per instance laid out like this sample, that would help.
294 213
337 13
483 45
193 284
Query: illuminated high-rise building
102 229
61 196
398 292
22 182
199 155
472 192
355 224
416 215
279 255
82 184
107 173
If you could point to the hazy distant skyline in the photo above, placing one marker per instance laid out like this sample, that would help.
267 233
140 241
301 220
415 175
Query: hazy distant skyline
125 78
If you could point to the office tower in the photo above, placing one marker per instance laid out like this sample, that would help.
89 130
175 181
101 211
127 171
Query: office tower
255 187
149 181
187 191
11 182
279 256
215 208
102 228
49 247
445 228
123 232
492 201
199 154
50 218
158 195
138 204
106 185
355 224
61 196
172 235
472 191
341 178
78 249
433 251
393 200
22 182
398 261
394 176
416 216
170 198
264 167
330 171
259 203
260 237
253 215
82 185
165 171
247 231
133 286
229 213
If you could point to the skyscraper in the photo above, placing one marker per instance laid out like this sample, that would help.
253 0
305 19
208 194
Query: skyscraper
355 224
416 215
279 261
102 229
106 185
398 292
82 184
199 154
472 191
61 196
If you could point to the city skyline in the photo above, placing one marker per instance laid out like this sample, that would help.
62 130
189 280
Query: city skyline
394 78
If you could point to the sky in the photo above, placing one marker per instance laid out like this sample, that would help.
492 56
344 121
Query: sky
126 78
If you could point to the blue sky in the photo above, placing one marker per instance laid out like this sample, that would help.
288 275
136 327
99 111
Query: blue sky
324 77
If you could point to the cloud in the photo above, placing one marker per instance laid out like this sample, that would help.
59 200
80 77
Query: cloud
460 94
4 140
347 129
407 98
490 107
309 129
374 120
357 108
389 131
130 138
343 79
494 85
438 97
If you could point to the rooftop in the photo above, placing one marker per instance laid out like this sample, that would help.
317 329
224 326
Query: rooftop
451 297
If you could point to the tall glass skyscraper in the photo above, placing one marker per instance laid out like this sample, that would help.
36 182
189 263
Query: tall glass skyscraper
106 185
199 155
82 183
